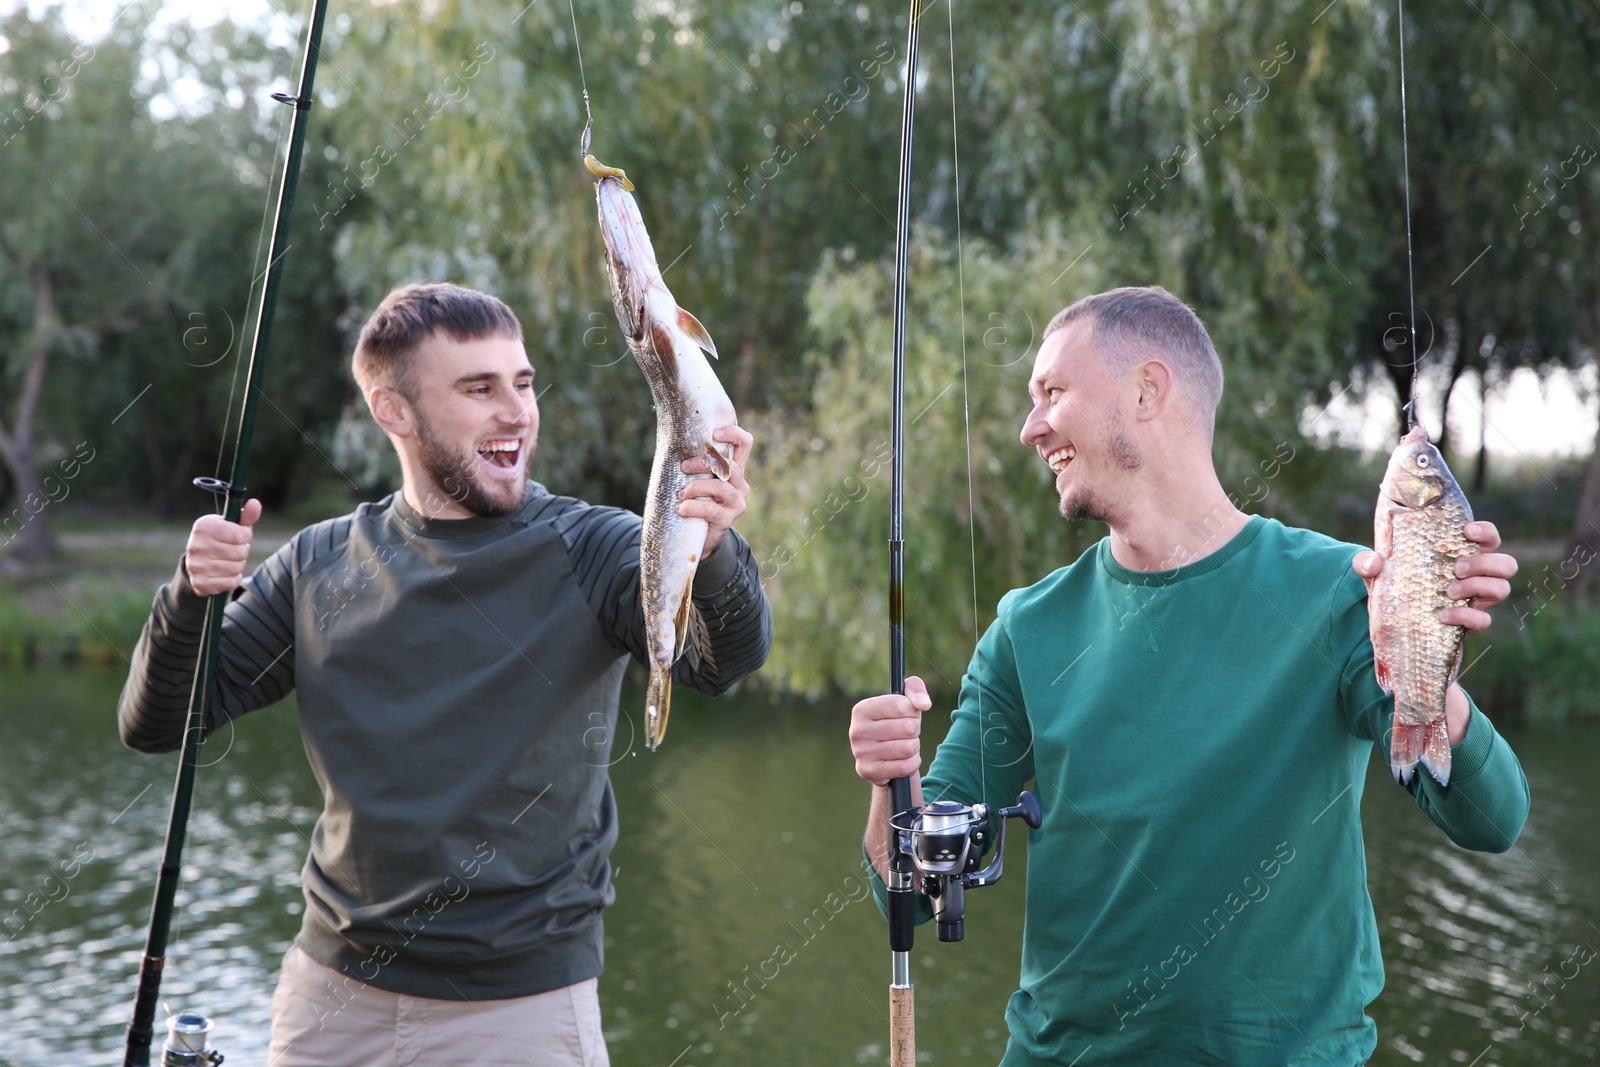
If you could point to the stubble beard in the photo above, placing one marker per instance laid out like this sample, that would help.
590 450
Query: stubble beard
457 476
1085 503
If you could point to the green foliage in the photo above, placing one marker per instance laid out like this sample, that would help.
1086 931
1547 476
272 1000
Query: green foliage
1540 663
101 628
458 159
1245 156
818 516
145 228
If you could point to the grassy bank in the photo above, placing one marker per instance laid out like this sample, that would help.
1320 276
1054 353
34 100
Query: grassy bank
88 603
101 629
1539 665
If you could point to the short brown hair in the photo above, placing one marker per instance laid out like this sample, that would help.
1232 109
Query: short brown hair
411 314
1141 322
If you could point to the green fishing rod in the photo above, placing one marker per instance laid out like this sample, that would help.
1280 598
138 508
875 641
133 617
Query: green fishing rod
189 1029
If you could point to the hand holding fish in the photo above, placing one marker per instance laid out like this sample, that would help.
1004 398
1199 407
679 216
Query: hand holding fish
699 444
718 502
1483 580
1428 588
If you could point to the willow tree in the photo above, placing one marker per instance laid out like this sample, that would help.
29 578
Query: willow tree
743 125
137 168
74 264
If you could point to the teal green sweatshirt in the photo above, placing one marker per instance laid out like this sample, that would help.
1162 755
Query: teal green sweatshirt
1197 893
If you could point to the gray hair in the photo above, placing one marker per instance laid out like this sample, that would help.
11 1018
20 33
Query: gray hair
1144 322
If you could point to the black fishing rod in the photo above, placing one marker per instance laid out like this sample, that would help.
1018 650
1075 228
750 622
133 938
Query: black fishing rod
187 1044
936 848
902 876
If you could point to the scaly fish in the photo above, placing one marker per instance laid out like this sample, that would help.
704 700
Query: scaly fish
690 403
1420 533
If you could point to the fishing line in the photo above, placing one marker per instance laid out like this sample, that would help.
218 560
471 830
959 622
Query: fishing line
284 125
1405 174
234 493
583 142
966 404
935 840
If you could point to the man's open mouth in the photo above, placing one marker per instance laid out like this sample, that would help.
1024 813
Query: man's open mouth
1059 459
502 453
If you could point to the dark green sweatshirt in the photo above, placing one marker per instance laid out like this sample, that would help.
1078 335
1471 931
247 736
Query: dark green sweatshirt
458 685
1199 739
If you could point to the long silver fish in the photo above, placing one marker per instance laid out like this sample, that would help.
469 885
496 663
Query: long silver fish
669 345
1420 533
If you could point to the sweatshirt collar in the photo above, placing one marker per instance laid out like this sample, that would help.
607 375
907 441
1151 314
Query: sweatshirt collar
421 524
1203 565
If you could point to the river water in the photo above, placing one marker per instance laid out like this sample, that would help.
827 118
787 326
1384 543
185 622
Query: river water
740 933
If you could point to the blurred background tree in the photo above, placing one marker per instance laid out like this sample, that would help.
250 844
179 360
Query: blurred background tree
1247 157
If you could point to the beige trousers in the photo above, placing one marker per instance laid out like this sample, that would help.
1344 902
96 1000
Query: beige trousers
321 1018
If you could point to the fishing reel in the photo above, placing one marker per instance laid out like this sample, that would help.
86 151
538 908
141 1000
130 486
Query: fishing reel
945 841
186 1042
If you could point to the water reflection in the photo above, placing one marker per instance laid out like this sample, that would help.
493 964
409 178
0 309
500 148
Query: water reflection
1484 952
741 933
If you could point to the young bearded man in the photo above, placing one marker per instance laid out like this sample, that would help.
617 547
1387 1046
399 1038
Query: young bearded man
458 649
1195 700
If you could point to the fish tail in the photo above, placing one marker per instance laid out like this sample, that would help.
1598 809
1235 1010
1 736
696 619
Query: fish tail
1405 749
657 703
1427 743
1436 753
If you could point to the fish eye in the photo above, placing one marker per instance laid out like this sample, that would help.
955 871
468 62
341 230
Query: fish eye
1422 460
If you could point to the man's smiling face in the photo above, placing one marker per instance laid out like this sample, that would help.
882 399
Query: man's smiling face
1075 424
477 425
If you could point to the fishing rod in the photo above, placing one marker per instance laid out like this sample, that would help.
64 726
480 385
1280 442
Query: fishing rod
902 899
187 1041
936 848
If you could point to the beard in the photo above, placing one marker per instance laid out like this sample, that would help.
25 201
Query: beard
457 476
1085 503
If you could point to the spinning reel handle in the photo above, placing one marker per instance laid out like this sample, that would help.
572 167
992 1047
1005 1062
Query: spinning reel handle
1026 808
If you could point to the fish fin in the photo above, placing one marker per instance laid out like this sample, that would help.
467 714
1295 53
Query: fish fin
658 695
666 355
697 333
1406 743
657 703
1426 743
1436 751
1383 532
1385 681
680 622
719 464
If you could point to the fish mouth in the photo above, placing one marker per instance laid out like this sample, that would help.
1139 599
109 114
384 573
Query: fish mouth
622 229
630 257
501 453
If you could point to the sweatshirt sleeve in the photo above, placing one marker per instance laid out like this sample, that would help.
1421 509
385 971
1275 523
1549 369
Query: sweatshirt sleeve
730 627
987 755
254 667
1486 803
